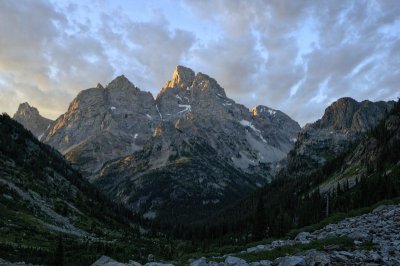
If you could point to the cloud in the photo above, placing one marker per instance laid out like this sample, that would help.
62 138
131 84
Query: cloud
61 50
297 56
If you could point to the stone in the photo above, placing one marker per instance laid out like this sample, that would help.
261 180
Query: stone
317 258
234 261
303 237
150 257
158 264
107 261
291 261
359 235
199 262
134 263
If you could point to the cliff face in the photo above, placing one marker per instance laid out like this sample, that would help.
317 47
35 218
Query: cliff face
104 123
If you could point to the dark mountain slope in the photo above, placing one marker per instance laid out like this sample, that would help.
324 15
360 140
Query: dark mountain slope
364 173
42 198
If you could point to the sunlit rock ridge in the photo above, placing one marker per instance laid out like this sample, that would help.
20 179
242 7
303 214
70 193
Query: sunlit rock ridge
123 139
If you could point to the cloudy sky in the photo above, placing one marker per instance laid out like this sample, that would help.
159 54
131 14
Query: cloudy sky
296 56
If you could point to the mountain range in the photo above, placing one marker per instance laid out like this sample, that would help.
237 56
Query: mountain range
190 163
189 148
190 151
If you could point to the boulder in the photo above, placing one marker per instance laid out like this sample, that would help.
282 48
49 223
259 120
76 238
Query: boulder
234 261
200 262
314 258
303 237
291 261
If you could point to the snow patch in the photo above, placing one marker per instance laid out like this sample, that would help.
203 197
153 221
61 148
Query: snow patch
41 136
271 112
250 125
159 111
293 139
135 136
178 97
187 107
149 116
113 108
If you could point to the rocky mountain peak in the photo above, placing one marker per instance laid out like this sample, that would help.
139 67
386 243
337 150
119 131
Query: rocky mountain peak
339 114
348 114
99 86
181 78
263 110
121 82
31 119
26 110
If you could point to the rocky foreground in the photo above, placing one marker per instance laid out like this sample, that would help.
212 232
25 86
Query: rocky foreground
376 237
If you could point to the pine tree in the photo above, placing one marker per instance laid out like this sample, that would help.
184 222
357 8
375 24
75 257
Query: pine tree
59 254
260 218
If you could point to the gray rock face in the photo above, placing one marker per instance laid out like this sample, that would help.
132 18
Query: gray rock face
343 122
104 123
197 106
30 118
191 144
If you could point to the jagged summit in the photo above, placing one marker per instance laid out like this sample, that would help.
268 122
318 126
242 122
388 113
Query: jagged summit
121 82
181 78
29 116
99 86
263 110
349 114
25 109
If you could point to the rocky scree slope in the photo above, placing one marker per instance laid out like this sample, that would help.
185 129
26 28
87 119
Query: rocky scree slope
42 197
31 119
129 143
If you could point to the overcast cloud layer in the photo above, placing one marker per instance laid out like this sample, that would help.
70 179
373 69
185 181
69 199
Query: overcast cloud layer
296 56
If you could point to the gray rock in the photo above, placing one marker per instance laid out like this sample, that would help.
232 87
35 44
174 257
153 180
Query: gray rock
234 261
359 235
291 261
158 264
134 263
265 263
199 262
317 258
303 237
107 261
150 257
